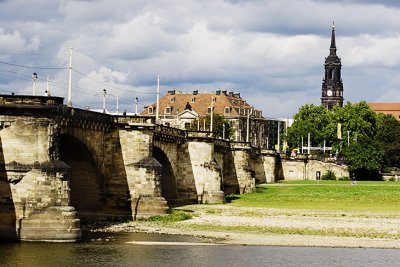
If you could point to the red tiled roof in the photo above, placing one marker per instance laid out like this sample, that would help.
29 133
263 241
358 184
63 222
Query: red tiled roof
200 103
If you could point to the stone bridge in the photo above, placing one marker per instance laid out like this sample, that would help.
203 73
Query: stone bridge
60 166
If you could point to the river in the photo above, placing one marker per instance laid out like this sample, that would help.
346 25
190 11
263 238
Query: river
104 249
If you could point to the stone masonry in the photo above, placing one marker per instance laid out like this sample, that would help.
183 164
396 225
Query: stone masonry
34 187
115 168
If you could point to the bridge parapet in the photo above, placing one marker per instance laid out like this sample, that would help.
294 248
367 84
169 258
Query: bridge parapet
84 119
169 134
199 134
240 145
170 131
133 120
31 100
83 114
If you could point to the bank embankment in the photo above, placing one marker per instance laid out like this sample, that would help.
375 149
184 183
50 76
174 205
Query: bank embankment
226 224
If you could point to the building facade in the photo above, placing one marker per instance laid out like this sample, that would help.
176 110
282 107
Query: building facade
184 109
332 85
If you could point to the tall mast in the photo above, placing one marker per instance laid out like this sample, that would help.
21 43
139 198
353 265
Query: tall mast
158 97
69 103
212 113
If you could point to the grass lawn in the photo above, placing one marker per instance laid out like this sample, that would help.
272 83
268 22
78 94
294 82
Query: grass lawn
341 196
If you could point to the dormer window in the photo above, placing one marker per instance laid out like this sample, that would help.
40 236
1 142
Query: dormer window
151 110
173 100
227 110
193 99
167 110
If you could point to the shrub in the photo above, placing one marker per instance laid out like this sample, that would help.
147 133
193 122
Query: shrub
328 175
174 216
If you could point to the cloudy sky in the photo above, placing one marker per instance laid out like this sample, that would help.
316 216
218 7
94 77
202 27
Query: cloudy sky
271 51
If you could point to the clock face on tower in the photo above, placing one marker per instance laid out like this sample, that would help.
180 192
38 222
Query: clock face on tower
329 92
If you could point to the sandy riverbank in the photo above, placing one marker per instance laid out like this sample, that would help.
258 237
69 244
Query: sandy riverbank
225 224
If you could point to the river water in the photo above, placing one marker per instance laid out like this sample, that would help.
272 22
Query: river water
104 249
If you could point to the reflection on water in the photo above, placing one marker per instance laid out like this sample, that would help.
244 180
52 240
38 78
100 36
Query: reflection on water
113 250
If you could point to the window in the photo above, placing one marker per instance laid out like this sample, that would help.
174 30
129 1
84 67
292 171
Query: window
330 77
173 100
151 110
227 110
214 99
187 125
168 110
193 99
209 110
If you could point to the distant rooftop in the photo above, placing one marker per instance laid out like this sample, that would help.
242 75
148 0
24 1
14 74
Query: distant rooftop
229 104
386 108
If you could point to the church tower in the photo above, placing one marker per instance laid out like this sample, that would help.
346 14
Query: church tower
332 85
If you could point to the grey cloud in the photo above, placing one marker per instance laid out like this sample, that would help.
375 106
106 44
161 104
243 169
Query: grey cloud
271 51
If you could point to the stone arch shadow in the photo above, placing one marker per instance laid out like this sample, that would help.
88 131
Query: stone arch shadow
168 181
8 217
86 182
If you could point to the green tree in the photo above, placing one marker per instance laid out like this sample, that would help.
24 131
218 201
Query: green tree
220 125
310 119
364 158
357 119
388 136
363 154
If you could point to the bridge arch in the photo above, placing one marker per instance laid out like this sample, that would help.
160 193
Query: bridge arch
169 189
87 187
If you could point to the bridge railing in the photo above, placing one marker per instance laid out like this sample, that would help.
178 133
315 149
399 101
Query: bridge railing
170 131
31 100
85 114
199 134
222 143
236 144
133 120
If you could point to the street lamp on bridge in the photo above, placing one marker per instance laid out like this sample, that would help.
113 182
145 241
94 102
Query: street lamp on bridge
34 78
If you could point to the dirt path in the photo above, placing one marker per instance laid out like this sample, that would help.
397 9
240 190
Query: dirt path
225 224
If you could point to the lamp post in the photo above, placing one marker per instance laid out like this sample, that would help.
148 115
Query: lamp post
348 138
285 121
212 113
104 100
158 98
117 105
34 78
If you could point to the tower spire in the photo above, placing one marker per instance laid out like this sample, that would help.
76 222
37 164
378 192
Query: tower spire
332 85
333 41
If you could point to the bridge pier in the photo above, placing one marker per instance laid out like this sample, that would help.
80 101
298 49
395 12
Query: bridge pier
42 204
268 159
39 203
244 171
206 172
143 173
34 189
